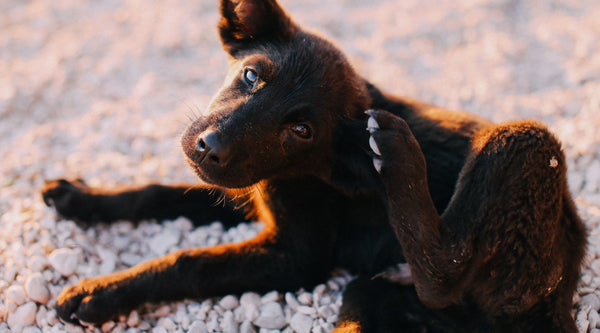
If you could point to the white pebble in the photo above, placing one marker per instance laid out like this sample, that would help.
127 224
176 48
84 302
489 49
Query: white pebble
31 329
109 260
108 326
247 327
133 319
593 318
271 316
290 299
163 241
159 329
301 323
197 326
63 261
250 298
229 302
307 310
228 323
35 285
167 323
592 300
305 298
15 294
269 297
23 316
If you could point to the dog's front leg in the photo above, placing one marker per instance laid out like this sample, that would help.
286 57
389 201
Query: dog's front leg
88 205
260 264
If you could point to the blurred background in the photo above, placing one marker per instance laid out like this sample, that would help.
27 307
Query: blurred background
102 89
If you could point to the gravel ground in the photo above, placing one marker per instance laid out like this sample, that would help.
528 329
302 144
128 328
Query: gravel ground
102 90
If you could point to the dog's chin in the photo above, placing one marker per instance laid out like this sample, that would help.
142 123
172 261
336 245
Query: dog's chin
220 180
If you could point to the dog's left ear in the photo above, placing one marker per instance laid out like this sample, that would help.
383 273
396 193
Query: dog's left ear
247 22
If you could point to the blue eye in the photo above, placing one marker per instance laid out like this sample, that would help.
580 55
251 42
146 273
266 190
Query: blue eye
302 130
250 76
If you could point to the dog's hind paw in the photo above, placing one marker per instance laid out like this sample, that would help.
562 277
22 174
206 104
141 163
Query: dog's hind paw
396 152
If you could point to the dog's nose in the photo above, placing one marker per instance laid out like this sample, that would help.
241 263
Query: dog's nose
209 143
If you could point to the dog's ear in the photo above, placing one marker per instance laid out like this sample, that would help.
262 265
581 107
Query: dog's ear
246 22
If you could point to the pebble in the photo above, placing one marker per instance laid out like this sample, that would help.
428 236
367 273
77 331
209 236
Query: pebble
247 327
301 323
36 289
591 300
271 316
23 316
63 261
229 302
133 319
15 294
197 326
593 318
269 297
163 241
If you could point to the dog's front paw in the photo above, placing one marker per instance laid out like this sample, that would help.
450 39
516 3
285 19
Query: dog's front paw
69 198
396 151
93 301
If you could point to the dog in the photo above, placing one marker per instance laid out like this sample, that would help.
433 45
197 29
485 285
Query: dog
346 175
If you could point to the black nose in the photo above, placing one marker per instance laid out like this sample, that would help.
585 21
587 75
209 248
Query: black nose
215 151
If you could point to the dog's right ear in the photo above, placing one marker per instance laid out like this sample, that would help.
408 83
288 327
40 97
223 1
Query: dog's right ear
244 23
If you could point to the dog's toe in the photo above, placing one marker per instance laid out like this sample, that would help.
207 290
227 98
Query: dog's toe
374 146
377 164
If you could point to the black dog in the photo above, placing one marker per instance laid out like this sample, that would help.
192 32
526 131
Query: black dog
481 212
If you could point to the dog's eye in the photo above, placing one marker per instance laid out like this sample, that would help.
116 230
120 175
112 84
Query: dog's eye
302 130
250 76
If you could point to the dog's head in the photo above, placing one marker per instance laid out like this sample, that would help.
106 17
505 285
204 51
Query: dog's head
280 110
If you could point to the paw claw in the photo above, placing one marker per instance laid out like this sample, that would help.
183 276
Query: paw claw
377 164
372 123
374 146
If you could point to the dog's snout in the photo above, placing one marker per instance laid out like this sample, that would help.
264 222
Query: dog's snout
209 143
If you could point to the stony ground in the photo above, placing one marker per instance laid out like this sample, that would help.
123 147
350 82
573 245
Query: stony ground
102 89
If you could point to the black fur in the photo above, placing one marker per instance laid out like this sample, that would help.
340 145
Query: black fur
481 212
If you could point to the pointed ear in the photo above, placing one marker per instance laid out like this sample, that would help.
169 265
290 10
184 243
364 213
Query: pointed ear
246 22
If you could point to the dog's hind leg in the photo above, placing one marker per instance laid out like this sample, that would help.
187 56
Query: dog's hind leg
509 243
377 305
75 200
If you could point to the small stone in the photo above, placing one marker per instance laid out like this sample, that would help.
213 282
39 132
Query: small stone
593 318
247 327
23 316
133 319
37 263
163 241
592 300
307 310
15 294
301 323
197 326
36 289
31 329
108 326
228 323
272 296
63 261
109 260
305 298
167 323
290 299
229 302
159 329
271 316
250 298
